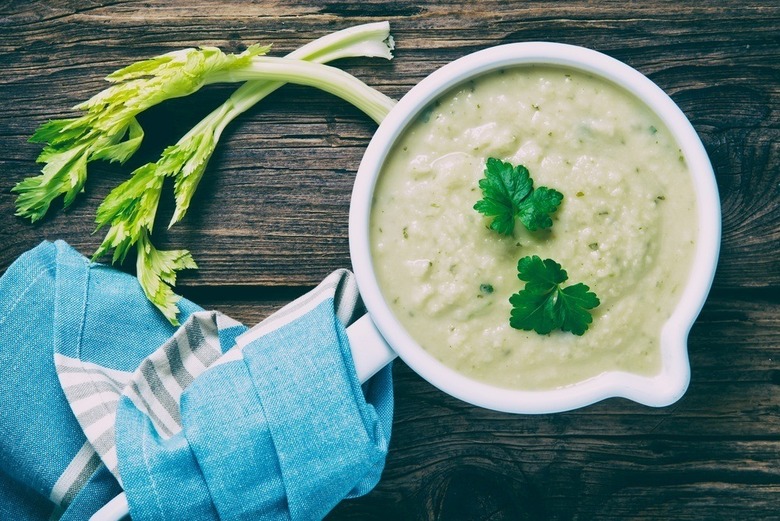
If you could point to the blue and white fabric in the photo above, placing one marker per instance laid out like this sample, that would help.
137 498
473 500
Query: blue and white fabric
208 421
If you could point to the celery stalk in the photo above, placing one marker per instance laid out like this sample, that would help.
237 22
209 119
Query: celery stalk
130 208
330 79
187 159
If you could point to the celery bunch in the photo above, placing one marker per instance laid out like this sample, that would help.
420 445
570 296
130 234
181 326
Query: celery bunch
108 130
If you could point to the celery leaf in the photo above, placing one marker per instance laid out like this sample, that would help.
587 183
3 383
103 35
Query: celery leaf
156 271
108 129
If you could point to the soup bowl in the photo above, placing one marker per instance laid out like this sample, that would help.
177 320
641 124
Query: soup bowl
379 336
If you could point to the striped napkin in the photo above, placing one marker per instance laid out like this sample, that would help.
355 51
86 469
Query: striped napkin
208 421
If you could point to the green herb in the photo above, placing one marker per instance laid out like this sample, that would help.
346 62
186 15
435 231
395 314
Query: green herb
486 288
156 271
543 305
508 193
108 130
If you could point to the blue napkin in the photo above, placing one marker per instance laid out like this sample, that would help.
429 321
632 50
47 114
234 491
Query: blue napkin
210 421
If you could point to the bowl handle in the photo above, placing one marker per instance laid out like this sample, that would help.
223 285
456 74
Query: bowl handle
370 351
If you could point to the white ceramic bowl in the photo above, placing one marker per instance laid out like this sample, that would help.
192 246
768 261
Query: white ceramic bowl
660 390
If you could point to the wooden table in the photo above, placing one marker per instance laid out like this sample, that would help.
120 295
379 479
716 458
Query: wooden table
270 221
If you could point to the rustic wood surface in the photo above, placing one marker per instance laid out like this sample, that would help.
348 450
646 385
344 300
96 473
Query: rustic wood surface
271 221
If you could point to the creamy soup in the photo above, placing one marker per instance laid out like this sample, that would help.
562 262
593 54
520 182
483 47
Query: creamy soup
626 226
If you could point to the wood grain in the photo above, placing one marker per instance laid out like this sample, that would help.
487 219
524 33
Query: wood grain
285 170
715 454
712 455
270 221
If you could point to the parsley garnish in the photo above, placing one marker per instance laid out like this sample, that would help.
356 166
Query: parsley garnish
508 193
543 305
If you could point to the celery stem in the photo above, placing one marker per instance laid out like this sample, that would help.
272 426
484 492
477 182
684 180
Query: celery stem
330 79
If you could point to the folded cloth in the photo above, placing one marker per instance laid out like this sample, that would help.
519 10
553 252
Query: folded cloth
210 421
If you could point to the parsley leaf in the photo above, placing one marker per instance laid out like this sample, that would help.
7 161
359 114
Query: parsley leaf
535 211
544 306
508 193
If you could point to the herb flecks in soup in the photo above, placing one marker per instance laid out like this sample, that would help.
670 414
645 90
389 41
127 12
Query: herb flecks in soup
626 226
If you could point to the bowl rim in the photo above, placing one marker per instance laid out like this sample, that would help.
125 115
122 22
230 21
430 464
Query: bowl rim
659 390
